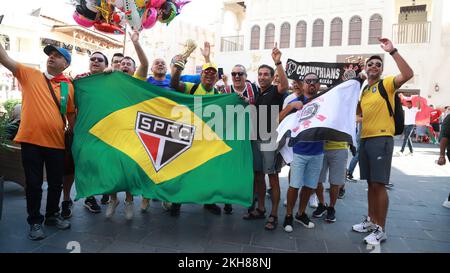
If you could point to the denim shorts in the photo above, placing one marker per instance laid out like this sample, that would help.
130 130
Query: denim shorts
305 170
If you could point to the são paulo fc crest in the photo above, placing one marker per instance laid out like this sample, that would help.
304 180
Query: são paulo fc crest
163 139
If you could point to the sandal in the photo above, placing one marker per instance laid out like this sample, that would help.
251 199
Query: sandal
256 214
271 223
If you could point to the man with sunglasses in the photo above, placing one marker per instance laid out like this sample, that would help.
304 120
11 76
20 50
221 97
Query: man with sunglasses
307 161
97 64
41 133
377 143
241 86
208 79
265 158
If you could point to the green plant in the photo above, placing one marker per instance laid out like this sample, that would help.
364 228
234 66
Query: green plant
9 106
3 132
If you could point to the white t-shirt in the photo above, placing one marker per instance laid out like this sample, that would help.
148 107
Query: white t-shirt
288 99
410 115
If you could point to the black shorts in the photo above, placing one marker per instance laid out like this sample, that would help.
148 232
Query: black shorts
435 127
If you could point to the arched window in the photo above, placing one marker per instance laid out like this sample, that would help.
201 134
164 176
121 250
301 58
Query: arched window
336 32
285 35
354 35
300 34
317 37
375 28
254 37
270 37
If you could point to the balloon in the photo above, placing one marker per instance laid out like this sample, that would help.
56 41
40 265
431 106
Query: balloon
149 18
108 28
85 13
132 15
168 11
111 16
156 3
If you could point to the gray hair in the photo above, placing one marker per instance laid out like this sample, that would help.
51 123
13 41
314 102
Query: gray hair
241 66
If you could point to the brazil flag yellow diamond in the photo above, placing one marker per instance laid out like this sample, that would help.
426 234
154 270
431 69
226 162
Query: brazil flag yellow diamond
161 136
157 143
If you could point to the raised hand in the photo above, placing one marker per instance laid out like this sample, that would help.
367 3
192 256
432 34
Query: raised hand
276 54
134 36
206 51
386 44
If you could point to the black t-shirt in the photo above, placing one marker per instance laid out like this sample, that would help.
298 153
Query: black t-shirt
270 98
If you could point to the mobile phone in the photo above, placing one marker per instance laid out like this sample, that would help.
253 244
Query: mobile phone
220 71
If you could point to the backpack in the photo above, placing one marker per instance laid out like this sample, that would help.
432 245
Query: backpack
194 88
398 113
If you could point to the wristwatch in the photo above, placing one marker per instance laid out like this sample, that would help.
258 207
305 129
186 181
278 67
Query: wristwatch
278 63
393 51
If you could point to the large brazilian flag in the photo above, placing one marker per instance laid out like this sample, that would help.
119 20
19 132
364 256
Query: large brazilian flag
136 137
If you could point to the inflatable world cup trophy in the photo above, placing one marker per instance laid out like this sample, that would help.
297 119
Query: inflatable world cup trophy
189 47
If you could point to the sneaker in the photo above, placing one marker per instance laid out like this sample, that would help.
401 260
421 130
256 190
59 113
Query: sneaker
66 209
304 220
285 203
105 199
91 204
166 205
376 237
228 209
330 215
145 204
350 177
36 232
446 204
175 209
341 193
213 208
112 205
389 185
287 224
313 202
365 226
129 210
320 211
398 154
57 221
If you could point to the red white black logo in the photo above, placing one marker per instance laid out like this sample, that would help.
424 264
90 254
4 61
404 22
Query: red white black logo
163 139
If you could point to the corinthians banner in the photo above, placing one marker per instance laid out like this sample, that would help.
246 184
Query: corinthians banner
136 137
330 74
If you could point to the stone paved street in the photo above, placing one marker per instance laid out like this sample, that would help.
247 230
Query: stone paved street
417 221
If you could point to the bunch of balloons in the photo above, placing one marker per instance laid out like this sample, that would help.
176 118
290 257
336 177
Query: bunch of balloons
110 16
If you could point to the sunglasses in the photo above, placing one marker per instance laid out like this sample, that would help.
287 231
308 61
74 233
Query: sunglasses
100 60
210 71
377 64
312 81
240 74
